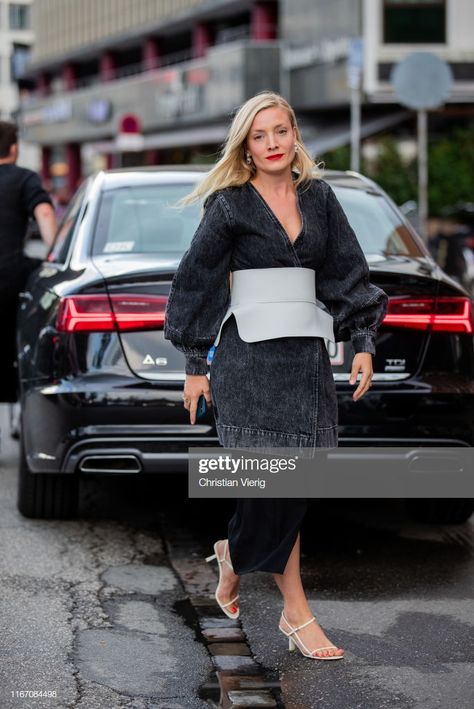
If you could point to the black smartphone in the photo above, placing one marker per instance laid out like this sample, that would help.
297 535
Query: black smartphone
201 407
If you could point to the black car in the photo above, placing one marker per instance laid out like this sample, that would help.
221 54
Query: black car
101 388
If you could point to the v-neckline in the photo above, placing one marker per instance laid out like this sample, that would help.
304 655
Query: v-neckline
274 216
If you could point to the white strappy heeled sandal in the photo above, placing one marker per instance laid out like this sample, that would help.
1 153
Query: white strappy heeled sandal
223 606
296 642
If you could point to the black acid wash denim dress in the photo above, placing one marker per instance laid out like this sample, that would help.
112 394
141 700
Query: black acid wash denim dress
279 392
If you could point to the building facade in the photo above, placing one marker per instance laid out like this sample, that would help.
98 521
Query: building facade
16 39
168 72
393 29
120 83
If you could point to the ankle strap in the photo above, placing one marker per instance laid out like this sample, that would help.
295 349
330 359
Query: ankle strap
304 624
226 561
293 630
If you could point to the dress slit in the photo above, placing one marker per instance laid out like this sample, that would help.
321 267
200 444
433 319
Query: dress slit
263 531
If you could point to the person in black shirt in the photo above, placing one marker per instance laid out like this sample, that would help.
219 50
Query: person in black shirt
21 196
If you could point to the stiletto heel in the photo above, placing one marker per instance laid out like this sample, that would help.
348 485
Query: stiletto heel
223 606
296 642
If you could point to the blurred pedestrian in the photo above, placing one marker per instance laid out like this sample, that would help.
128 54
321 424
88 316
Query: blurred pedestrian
447 246
271 223
61 199
21 196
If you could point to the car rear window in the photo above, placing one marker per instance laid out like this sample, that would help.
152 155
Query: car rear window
143 219
378 227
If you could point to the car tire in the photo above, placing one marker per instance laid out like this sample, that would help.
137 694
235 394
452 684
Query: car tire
454 511
46 495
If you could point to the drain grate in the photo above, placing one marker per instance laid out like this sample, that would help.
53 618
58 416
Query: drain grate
238 679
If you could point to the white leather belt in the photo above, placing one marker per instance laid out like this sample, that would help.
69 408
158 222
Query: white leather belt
276 302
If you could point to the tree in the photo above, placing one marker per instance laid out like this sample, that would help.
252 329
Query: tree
451 169
388 169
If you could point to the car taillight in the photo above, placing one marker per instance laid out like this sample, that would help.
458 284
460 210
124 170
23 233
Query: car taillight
101 313
444 314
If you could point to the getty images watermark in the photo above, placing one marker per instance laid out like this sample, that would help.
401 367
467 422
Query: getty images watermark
342 472
235 471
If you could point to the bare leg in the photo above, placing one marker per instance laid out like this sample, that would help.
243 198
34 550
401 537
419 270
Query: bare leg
296 607
229 585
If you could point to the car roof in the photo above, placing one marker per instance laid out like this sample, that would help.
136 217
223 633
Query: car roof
179 174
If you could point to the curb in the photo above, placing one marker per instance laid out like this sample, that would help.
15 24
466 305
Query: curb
240 679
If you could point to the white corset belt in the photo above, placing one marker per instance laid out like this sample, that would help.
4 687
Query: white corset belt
276 302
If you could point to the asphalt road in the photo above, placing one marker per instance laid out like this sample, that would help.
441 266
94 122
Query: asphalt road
91 609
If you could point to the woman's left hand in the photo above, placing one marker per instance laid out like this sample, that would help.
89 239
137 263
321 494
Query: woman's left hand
362 362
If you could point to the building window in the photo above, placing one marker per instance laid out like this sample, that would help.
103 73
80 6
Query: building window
18 60
414 21
19 16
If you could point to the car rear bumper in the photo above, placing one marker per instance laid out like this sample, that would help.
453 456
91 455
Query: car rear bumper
103 453
127 428
147 423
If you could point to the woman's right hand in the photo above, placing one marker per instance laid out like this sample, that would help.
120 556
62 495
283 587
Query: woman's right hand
194 386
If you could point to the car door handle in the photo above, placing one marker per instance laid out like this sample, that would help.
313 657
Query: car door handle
26 295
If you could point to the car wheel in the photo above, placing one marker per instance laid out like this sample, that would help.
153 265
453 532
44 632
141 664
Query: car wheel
440 511
46 495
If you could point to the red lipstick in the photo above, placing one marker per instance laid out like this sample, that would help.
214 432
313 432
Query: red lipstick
275 157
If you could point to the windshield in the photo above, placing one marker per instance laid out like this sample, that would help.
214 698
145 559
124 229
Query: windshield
142 219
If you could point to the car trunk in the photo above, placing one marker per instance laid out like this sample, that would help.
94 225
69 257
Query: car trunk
400 348
130 279
401 345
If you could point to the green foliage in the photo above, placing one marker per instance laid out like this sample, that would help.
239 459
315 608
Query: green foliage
450 167
338 159
396 176
388 169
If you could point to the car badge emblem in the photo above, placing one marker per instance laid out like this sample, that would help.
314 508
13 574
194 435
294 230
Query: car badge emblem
160 361
395 365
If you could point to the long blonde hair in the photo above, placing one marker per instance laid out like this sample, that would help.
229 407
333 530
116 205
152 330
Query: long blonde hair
232 170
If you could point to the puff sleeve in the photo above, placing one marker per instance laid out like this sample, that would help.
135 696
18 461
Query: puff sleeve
357 306
200 289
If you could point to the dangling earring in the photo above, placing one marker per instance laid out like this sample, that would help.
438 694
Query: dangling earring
296 147
248 159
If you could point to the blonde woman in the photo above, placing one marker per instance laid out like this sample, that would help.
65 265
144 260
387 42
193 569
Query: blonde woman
277 227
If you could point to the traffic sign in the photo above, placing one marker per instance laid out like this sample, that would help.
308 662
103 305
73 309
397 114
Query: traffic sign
421 81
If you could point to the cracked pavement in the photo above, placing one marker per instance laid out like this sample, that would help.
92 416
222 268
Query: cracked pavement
87 609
